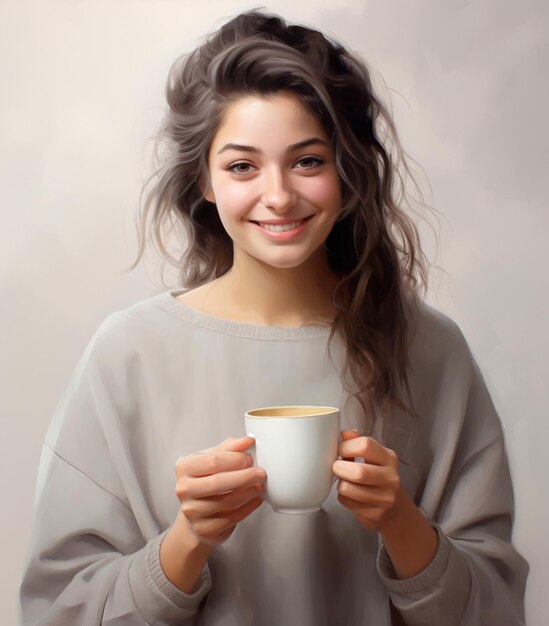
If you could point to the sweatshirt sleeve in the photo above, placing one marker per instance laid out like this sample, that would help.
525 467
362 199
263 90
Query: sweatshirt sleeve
94 552
476 577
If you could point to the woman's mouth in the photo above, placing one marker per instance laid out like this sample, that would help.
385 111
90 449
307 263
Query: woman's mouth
282 232
281 227
278 228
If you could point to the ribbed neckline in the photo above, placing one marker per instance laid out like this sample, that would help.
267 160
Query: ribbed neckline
168 300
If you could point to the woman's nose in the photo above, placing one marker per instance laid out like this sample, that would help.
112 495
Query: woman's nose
277 192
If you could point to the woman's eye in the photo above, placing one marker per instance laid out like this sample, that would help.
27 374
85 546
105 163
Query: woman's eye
240 168
309 162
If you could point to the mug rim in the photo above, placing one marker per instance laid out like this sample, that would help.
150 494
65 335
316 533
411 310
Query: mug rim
315 411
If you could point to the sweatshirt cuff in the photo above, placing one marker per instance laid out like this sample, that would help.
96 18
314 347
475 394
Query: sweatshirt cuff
155 596
447 571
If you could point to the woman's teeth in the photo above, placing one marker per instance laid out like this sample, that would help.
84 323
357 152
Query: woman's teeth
278 228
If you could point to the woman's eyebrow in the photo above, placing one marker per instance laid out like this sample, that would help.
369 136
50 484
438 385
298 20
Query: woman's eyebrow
295 146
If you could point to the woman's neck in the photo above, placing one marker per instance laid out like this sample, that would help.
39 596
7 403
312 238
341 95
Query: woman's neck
258 293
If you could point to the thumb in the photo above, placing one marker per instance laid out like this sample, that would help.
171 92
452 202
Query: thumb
345 436
349 434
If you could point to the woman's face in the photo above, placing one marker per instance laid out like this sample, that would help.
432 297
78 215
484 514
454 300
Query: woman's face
274 180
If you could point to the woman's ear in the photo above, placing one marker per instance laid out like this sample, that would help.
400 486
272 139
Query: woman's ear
207 193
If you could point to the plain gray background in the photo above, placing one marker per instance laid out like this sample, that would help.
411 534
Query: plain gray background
81 87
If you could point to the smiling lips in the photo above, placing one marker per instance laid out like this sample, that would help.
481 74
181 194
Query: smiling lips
279 226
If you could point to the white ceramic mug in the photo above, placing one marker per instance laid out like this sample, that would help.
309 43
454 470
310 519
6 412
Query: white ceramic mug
296 446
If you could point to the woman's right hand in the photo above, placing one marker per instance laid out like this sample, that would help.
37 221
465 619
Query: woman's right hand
218 488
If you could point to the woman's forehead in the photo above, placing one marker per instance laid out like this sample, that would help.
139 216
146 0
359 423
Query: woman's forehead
269 120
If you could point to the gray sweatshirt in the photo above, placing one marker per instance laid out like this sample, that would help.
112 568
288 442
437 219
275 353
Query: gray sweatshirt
160 380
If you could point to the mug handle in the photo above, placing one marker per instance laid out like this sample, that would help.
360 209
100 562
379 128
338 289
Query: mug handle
339 440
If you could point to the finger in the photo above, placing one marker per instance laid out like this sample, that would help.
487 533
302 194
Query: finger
349 434
345 436
372 496
222 482
236 444
237 514
211 529
369 449
206 463
194 509
366 513
363 473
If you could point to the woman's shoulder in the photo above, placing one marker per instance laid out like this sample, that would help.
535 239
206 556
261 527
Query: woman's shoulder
134 325
431 320
448 382
435 337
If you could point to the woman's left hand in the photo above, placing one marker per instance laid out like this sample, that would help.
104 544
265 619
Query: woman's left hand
370 490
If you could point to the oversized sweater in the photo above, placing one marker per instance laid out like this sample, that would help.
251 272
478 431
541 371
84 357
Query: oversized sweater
160 380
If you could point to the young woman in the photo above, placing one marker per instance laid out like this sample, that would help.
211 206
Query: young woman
301 285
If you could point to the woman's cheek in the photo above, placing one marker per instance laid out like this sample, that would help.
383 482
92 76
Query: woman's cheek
325 192
237 198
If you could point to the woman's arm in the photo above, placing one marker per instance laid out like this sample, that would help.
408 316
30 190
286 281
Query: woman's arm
89 562
411 542
469 572
476 577
94 556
